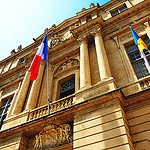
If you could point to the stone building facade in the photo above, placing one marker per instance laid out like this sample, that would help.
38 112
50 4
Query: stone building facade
98 84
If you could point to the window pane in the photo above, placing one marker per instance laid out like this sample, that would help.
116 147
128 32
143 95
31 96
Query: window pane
136 60
140 69
4 109
67 88
1 111
114 13
4 103
123 8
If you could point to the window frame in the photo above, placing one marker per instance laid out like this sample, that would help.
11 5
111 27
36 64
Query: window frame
118 10
5 108
61 81
138 60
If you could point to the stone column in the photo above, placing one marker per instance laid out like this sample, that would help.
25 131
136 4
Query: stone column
33 96
21 95
85 75
147 27
103 64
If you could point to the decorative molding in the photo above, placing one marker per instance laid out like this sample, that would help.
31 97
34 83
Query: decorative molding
95 32
117 42
1 91
146 24
67 65
128 35
58 39
53 136
83 37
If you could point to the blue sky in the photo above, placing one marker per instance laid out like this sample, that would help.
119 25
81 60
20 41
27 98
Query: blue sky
21 20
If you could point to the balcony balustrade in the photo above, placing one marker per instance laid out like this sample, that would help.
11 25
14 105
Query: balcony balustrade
54 107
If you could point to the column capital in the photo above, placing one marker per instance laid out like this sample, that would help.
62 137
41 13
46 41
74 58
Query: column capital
147 24
96 32
82 38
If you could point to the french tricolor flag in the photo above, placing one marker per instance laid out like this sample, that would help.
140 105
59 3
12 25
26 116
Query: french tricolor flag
40 54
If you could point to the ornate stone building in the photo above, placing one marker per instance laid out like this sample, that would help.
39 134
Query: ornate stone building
98 84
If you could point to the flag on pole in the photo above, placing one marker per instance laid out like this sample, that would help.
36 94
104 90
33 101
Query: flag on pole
40 54
138 41
141 46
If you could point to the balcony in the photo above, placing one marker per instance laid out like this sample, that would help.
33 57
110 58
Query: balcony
54 107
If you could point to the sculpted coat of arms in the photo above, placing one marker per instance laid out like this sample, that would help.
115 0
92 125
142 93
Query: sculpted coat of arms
53 136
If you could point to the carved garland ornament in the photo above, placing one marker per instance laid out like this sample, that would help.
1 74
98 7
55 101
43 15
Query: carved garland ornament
53 136
67 65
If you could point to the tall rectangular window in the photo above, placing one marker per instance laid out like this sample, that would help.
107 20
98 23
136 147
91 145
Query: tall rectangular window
4 109
136 59
67 88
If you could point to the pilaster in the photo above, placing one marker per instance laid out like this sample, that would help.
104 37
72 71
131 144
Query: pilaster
85 76
21 95
103 64
147 27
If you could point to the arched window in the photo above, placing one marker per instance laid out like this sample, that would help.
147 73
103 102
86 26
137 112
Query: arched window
21 61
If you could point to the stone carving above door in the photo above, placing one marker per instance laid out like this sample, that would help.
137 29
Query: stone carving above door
52 136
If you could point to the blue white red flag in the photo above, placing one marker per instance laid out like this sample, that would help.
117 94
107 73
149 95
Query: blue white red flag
40 54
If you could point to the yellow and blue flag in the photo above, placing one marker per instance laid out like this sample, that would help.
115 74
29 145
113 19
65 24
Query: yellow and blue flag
138 41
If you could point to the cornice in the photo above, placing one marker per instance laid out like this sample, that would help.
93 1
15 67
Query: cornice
31 46
119 24
87 27
86 12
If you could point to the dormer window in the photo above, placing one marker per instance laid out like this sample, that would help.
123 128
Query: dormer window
118 10
21 61
89 18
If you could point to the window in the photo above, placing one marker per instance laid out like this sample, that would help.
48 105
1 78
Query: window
136 60
118 10
21 61
89 18
4 109
67 88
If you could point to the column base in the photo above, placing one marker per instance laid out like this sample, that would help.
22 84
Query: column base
98 89
15 120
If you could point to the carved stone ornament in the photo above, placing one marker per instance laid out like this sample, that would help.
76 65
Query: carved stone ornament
53 136
67 65
55 40
95 31
83 37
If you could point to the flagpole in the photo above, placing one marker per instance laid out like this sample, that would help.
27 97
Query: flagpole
47 76
141 46
146 61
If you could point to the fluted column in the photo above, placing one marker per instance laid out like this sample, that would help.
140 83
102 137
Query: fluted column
147 27
103 64
85 75
21 95
33 96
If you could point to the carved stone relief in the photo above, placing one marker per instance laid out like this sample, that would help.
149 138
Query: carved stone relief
58 39
66 65
53 136
95 31
55 40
